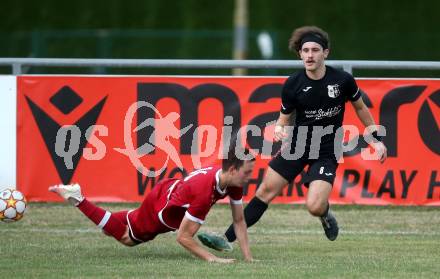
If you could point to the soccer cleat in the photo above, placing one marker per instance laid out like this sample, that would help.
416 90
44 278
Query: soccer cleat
330 226
71 193
215 242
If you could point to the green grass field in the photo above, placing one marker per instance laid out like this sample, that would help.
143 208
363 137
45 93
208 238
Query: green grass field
57 241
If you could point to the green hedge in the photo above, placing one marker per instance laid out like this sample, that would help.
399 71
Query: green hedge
202 29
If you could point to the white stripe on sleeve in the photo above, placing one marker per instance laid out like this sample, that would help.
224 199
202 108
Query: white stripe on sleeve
104 220
240 201
194 219
355 94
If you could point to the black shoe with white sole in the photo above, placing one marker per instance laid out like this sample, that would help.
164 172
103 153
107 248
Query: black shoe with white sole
330 226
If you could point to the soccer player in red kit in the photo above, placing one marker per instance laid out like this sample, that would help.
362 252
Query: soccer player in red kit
176 204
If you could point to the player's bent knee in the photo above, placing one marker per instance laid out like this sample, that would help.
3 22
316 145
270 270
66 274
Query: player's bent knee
266 193
127 241
271 186
315 207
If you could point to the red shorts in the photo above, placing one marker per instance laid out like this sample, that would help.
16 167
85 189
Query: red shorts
143 222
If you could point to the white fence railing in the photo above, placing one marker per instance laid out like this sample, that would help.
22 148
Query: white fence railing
19 64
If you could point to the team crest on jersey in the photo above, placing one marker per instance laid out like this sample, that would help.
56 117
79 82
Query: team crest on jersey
333 90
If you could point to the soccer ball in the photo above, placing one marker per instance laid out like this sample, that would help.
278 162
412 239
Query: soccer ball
12 205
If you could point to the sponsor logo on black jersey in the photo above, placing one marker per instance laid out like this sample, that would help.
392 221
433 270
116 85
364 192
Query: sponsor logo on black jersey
307 88
333 90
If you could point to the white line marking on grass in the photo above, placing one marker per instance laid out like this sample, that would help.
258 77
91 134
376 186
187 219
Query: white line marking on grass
52 231
251 231
420 233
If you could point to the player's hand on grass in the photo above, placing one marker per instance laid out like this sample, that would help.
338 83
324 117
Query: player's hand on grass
251 260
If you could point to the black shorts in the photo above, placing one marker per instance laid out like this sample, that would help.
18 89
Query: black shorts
323 168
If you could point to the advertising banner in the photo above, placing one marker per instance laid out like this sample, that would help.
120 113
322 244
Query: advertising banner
118 136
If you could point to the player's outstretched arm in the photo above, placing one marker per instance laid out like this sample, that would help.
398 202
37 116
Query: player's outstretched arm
185 237
366 118
363 112
240 228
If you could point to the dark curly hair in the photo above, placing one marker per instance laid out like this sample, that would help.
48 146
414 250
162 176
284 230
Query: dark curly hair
299 33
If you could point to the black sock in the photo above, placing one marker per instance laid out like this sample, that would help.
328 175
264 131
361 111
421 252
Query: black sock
252 213
326 211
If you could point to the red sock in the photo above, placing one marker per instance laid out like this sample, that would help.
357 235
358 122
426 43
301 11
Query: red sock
110 223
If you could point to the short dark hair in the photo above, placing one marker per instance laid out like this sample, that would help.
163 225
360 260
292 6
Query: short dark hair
232 160
299 33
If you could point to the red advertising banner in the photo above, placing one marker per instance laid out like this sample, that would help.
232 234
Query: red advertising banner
117 136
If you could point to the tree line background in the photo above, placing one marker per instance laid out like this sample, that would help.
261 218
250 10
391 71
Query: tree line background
202 29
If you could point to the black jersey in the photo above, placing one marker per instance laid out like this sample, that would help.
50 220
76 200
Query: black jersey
319 102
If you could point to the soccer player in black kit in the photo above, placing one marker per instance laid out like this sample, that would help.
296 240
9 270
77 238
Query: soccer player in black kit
317 95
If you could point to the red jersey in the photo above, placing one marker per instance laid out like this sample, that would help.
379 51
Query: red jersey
170 200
